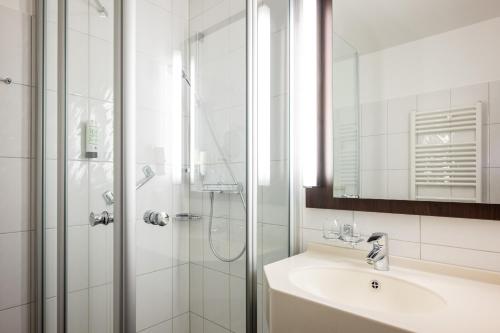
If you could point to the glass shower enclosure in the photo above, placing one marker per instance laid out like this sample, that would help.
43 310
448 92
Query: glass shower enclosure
163 163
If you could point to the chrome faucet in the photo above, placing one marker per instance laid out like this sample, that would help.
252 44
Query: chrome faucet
379 255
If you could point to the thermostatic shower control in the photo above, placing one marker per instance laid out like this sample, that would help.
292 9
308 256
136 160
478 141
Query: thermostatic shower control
103 218
156 218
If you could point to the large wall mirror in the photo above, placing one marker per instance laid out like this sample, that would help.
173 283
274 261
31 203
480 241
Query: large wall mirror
416 102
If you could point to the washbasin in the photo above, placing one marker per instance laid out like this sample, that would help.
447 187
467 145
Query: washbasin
366 290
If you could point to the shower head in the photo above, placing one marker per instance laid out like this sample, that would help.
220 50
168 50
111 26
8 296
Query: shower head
101 9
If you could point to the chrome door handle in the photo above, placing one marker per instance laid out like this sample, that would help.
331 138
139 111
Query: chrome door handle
103 218
156 218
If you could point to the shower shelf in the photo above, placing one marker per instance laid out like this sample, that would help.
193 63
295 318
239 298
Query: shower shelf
186 217
218 188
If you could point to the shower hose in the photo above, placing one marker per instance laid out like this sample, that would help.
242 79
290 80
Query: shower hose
210 241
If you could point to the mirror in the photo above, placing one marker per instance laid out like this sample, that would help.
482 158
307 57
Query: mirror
416 100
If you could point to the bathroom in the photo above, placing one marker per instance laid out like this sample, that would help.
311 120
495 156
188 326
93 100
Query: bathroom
249 166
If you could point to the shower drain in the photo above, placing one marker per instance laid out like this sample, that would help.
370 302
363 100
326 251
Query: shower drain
375 284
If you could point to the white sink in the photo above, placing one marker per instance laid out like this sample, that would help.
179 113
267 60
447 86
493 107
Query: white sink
367 290
329 289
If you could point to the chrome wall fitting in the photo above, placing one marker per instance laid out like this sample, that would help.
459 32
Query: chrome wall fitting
156 218
6 80
104 218
148 175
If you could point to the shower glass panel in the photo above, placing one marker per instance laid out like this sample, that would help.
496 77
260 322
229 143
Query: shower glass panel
88 161
191 160
162 141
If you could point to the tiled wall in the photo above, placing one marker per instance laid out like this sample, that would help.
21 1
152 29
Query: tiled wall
16 229
384 142
217 289
463 242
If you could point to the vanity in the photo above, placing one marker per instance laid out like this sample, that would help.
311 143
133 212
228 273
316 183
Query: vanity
332 289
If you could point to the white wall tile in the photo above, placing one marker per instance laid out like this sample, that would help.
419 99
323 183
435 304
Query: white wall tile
196 323
216 300
374 118
15 120
196 238
101 69
24 6
374 152
154 298
495 145
165 327
494 190
398 114
315 218
275 243
180 245
434 100
153 35
180 289
16 319
181 324
78 193
466 233
210 327
78 311
78 15
238 303
398 184
102 27
15 194
398 226
100 300
154 247
398 151
494 95
275 196
374 184
78 257
15 58
15 263
78 63
461 257
196 289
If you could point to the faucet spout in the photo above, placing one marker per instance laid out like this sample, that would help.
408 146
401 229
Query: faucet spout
379 255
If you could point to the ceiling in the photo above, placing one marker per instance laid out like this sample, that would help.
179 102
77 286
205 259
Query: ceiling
372 25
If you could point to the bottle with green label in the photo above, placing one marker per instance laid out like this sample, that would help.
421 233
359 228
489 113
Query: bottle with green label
91 136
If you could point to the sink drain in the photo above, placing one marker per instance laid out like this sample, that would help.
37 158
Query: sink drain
375 284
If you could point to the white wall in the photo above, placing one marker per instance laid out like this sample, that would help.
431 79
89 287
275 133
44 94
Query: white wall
16 230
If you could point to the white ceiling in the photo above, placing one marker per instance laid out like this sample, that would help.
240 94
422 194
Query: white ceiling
372 25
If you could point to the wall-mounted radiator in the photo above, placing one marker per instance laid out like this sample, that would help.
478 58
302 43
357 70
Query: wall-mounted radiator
445 154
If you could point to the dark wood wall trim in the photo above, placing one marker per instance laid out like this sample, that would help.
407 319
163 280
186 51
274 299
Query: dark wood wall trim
322 196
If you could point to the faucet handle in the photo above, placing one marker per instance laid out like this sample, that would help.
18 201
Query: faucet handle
376 236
